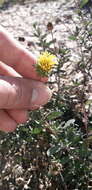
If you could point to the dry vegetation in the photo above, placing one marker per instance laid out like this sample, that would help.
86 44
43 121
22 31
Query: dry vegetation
53 150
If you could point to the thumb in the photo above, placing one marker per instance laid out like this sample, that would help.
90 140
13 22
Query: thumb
20 93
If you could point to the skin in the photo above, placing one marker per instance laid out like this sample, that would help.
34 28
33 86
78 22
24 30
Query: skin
21 88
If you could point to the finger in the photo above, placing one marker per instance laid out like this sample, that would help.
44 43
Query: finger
20 116
7 124
20 93
6 70
16 56
25 65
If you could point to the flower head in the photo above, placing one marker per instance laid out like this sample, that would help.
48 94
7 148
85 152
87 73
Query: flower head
45 63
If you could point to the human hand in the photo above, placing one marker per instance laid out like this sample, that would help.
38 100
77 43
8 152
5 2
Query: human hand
21 88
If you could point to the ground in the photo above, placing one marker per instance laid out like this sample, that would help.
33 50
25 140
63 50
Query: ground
19 19
24 162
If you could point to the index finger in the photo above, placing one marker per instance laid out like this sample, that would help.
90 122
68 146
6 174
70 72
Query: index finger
16 56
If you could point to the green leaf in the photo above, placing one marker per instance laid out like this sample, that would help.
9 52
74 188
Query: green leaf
89 139
72 37
35 34
83 3
54 115
36 131
90 33
25 129
65 160
88 102
63 51
1 2
51 42
43 36
69 123
53 150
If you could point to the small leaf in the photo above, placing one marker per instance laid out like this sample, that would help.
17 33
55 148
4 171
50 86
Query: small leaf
25 129
1 2
83 3
51 42
54 115
36 35
43 36
65 160
53 150
69 122
72 37
36 131
89 139
90 33
88 102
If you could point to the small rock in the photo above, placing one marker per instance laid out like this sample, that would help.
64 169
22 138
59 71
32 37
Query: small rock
58 20
21 39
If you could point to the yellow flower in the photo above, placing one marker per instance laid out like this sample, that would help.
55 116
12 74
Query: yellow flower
45 63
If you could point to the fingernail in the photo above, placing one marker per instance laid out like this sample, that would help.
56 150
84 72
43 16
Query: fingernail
40 96
34 96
